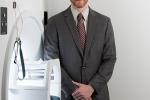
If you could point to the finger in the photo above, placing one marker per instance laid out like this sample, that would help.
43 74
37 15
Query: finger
82 98
76 83
76 92
78 97
90 98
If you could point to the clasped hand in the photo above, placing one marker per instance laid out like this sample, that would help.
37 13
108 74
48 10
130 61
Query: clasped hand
83 92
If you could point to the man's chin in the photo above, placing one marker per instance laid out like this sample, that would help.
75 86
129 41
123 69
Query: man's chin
80 6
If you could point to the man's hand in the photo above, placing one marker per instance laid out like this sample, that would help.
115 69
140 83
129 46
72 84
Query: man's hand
83 92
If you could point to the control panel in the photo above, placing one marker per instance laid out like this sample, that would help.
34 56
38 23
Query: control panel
3 20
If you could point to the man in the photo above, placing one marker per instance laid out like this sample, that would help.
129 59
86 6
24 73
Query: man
83 40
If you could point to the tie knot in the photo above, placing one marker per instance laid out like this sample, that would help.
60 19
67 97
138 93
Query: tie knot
80 17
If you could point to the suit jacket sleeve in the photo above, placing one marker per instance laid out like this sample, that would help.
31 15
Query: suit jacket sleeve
100 79
51 51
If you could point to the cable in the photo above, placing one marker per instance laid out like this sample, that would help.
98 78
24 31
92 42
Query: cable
18 49
18 42
16 7
20 17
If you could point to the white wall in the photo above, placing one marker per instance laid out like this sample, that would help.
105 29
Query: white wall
55 6
131 21
36 7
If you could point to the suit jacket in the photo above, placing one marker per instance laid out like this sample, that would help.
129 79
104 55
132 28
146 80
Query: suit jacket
95 65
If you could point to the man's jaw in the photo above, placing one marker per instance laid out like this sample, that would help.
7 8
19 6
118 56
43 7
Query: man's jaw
80 9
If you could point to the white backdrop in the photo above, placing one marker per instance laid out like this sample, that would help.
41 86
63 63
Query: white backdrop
131 22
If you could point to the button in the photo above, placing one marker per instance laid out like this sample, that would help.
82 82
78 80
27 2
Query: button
83 67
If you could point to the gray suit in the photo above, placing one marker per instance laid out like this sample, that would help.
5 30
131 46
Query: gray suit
95 65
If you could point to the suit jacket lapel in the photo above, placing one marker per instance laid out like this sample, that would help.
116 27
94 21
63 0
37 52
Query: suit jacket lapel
73 29
91 30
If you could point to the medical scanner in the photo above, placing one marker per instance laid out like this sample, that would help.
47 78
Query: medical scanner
25 75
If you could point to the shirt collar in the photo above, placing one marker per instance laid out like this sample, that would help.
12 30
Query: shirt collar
84 11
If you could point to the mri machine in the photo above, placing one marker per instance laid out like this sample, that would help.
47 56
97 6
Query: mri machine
39 80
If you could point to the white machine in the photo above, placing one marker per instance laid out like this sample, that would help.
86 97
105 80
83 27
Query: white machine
42 78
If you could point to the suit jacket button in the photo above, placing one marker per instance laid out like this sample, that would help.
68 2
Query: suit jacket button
83 67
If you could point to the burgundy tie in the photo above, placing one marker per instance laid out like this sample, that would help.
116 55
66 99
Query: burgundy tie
81 30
